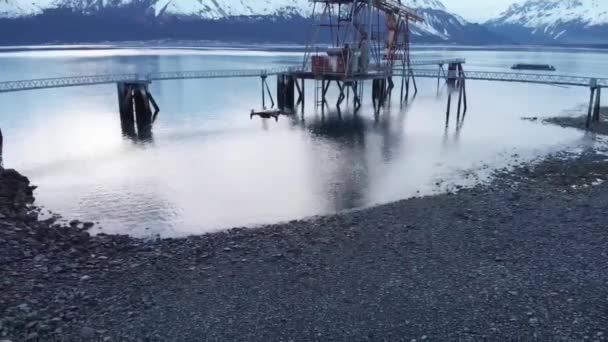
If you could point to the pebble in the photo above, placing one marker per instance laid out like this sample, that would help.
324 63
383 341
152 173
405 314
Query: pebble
31 337
87 332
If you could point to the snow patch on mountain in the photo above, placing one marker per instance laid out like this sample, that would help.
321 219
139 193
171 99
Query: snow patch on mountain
207 9
214 9
547 13
16 8
569 21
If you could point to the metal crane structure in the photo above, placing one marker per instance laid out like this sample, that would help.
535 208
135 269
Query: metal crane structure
352 41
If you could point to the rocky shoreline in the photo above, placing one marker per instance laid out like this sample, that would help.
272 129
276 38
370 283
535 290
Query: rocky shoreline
524 257
580 122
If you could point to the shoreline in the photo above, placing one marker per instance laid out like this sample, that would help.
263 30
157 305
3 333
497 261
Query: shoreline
524 256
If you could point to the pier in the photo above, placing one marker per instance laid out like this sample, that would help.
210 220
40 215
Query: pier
352 42
147 112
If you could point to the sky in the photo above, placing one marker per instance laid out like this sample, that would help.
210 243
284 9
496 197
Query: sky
478 10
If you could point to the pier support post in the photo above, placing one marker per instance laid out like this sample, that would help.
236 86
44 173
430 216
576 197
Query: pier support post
135 105
286 93
460 86
379 91
263 77
402 88
452 75
326 85
447 113
439 76
407 87
590 111
598 97
340 95
356 96
464 93
303 95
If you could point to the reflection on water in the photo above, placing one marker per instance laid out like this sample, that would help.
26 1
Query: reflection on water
207 166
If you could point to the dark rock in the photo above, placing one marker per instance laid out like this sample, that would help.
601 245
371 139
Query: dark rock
87 332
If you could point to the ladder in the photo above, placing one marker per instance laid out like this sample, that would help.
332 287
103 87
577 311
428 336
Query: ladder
319 85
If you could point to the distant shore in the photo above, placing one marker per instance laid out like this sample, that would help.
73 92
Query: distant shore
524 257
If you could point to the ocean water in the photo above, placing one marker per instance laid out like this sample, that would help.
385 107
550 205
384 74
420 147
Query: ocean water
208 166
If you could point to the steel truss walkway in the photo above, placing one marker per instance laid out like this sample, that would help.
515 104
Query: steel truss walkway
549 79
60 82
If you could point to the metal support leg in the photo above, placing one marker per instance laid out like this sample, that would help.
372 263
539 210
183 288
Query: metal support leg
356 98
464 93
303 95
325 89
439 76
299 91
341 95
407 87
447 113
155 105
263 92
459 100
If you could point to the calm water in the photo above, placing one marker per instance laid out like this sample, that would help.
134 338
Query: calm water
209 167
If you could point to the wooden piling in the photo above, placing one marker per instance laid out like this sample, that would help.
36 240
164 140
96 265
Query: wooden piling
590 110
598 97
135 105
125 108
447 113
143 112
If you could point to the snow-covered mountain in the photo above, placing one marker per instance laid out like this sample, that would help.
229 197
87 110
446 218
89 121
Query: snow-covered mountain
555 21
207 9
440 25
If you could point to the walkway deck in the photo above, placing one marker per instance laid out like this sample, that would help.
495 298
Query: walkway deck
549 79
88 80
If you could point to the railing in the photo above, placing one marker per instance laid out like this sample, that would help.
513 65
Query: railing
198 74
550 79
66 82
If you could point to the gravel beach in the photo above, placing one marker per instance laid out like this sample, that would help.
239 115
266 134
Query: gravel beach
523 257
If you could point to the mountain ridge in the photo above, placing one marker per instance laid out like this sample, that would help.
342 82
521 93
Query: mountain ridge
39 20
554 21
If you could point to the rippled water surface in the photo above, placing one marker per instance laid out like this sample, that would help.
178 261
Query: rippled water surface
208 166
